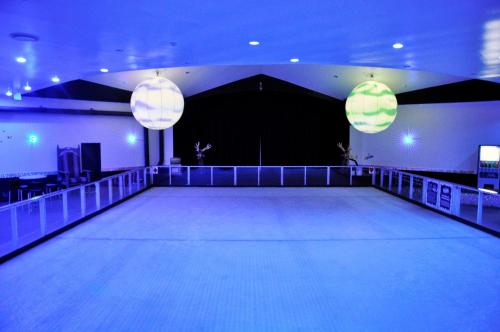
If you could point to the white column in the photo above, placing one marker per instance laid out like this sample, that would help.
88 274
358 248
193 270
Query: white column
154 147
168 145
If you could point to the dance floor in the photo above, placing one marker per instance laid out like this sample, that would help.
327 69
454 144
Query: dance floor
257 259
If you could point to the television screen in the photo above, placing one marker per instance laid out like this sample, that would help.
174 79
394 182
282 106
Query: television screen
489 153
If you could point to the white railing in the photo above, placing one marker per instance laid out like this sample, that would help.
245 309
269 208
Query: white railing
260 176
478 206
27 221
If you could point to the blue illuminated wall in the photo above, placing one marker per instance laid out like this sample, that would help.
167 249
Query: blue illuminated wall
437 137
28 141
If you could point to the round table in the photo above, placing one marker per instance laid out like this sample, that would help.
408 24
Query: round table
33 177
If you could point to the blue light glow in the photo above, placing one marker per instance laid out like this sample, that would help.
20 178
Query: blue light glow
131 138
408 139
18 96
33 139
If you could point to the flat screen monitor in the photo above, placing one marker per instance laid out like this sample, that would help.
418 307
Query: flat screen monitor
489 153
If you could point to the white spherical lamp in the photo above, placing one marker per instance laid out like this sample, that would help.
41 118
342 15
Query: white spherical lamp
371 107
157 103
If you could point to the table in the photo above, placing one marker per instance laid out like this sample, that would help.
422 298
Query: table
33 177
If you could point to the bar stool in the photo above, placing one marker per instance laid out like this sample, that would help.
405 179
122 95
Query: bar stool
51 187
21 190
36 189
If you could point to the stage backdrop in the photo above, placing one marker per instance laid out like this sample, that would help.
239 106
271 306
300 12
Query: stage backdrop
262 118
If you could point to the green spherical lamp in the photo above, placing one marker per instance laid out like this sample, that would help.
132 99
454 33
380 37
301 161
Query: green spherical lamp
371 107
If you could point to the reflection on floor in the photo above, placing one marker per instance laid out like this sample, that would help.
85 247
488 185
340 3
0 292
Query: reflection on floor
266 259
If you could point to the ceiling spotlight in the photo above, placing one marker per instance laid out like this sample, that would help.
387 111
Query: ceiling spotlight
254 42
24 37
294 60
27 87
8 93
397 45
55 79
104 70
21 59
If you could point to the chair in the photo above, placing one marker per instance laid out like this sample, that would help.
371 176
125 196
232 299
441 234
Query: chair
5 190
69 167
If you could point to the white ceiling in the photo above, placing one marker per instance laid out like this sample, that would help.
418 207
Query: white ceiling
335 81
77 37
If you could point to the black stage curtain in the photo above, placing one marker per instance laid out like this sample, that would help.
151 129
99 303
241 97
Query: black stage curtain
262 118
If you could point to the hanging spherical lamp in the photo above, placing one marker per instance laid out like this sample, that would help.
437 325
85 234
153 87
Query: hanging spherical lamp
371 107
157 103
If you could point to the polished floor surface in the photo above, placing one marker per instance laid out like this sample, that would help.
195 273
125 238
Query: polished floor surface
266 259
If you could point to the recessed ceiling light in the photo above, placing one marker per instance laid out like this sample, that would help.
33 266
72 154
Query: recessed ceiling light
104 70
21 59
294 60
55 79
8 93
27 87
24 37
254 42
397 45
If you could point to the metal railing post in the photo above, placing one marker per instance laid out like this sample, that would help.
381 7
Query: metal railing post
189 176
110 190
258 176
390 180
14 227
381 178
410 194
98 195
400 182
170 176
281 174
65 207
137 177
82 201
424 190
120 185
328 176
305 176
211 176
235 178
374 176
43 215
129 183
480 208
350 176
